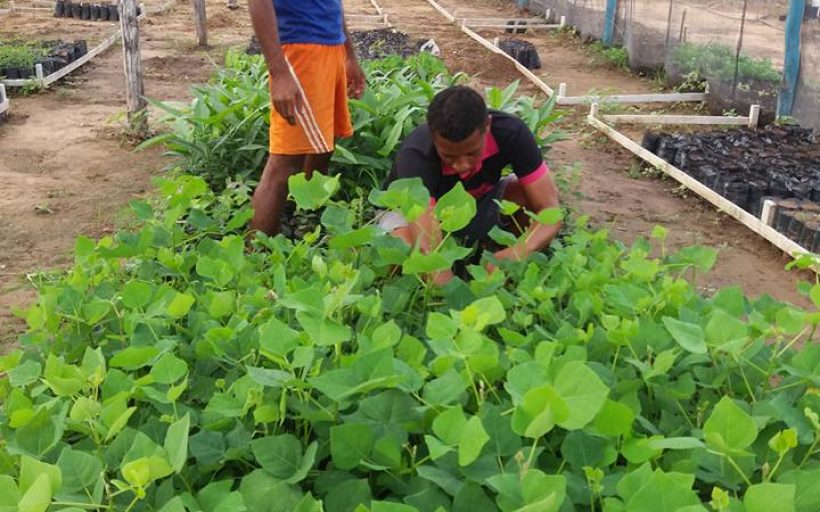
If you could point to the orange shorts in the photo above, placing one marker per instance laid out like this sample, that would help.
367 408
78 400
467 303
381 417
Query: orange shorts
320 72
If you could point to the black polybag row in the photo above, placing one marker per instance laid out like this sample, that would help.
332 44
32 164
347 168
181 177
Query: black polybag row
746 167
88 11
60 54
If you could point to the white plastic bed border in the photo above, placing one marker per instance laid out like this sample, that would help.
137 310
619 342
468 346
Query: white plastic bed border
760 226
4 100
14 9
43 81
369 21
562 98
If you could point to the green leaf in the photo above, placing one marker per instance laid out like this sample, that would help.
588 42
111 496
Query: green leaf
314 193
664 492
63 379
277 339
38 496
25 374
614 418
676 443
729 429
472 498
281 456
169 369
207 447
449 425
82 472
455 209
725 332
309 504
418 263
31 470
409 196
389 506
350 444
807 488
783 441
269 378
347 496
264 493
133 358
481 313
689 336
583 393
549 216
324 332
176 442
136 294
473 439
539 411
769 497
180 305
447 389
9 494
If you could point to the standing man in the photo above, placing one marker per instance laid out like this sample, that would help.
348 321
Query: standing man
313 68
464 142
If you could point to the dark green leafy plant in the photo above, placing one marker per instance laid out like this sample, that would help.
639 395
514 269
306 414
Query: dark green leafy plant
222 135
172 370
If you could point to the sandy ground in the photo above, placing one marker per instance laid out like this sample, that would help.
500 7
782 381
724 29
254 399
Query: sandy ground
66 169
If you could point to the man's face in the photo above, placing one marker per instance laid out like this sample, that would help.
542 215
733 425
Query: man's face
462 156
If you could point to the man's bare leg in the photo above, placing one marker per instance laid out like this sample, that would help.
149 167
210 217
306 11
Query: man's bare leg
269 197
318 162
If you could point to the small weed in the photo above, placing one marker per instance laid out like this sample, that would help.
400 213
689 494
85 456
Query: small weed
612 55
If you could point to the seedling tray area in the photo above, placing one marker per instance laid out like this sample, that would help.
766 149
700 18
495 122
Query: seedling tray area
746 167
87 11
18 59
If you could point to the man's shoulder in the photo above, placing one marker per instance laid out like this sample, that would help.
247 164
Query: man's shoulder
419 140
505 122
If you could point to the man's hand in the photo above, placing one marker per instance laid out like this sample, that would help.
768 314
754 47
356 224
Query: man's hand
514 253
285 95
442 278
356 82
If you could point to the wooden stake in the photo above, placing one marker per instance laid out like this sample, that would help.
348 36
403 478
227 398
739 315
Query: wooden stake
201 23
132 66
682 25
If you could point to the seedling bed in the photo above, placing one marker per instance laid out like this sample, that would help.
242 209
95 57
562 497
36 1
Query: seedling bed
88 11
370 44
18 59
747 167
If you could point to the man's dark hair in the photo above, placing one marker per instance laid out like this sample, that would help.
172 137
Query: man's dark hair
456 113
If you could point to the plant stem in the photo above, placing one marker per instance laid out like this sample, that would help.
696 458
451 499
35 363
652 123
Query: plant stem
775 468
738 469
810 452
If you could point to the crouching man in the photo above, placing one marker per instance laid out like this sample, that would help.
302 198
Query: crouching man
465 142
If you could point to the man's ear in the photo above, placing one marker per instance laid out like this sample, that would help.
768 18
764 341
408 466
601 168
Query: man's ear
488 123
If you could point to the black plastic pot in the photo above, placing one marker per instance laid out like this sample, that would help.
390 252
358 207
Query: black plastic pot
95 12
113 13
76 11
25 72
81 46
67 10
522 51
59 9
12 73
103 13
85 12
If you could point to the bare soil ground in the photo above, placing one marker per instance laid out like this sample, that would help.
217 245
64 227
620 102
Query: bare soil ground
66 169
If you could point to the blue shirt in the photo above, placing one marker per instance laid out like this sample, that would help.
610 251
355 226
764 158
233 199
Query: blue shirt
310 21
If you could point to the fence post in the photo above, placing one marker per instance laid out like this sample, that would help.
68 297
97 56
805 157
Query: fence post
791 67
609 22
132 66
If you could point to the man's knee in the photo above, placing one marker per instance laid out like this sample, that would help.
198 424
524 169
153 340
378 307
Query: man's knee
280 167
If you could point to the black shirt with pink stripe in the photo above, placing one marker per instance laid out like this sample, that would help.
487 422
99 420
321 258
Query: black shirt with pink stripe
509 143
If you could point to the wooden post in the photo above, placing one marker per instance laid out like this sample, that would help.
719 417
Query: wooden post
201 23
132 65
739 47
669 22
682 25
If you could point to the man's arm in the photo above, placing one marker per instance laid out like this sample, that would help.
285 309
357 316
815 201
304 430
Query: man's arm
356 82
541 195
285 96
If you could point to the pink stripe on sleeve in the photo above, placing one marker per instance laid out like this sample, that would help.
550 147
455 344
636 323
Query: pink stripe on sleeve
532 177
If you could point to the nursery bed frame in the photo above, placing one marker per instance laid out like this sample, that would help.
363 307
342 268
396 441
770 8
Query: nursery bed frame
761 226
468 24
43 81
